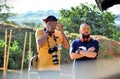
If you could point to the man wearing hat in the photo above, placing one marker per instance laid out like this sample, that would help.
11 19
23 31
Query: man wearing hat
49 41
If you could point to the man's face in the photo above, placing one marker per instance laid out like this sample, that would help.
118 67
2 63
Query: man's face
51 25
85 29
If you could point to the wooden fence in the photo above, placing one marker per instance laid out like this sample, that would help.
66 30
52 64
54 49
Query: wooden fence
7 54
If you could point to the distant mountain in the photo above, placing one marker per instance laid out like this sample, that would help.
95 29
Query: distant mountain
38 16
30 16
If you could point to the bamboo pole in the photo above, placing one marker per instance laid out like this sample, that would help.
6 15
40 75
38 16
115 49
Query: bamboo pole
23 53
29 54
5 47
30 43
8 51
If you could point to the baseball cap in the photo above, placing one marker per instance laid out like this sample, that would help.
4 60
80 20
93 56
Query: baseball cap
50 18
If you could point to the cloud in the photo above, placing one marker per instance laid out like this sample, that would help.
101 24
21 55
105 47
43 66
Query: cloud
21 6
115 9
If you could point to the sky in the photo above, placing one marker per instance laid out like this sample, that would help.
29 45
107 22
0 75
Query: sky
22 6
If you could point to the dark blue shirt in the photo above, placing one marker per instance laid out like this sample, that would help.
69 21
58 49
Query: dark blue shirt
77 44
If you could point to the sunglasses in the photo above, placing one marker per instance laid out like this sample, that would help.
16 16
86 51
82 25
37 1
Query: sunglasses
85 29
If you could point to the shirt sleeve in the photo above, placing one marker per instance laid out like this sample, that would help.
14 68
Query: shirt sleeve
39 33
96 45
72 47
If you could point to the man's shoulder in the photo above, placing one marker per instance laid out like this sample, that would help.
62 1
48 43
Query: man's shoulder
40 30
76 41
94 40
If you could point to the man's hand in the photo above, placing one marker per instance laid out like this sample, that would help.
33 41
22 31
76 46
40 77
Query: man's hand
75 56
91 49
90 53
49 26
60 27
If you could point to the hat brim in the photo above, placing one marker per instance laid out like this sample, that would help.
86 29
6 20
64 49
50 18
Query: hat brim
44 20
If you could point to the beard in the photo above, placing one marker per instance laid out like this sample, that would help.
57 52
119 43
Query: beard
85 37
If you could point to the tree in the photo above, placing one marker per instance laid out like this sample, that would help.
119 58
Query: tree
4 11
102 23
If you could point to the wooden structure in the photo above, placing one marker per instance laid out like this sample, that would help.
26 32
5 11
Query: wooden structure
7 54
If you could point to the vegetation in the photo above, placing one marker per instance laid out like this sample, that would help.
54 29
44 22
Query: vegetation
5 11
16 46
32 24
102 23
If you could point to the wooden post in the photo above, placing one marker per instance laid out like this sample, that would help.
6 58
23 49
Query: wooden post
8 51
23 53
30 43
29 54
5 47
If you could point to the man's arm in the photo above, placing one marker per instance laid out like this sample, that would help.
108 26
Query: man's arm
89 53
42 40
65 42
92 52
75 56
79 54
41 37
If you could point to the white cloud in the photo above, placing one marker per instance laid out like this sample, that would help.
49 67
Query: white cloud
115 9
21 6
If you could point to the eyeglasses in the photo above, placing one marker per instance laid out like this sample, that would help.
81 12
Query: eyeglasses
85 29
